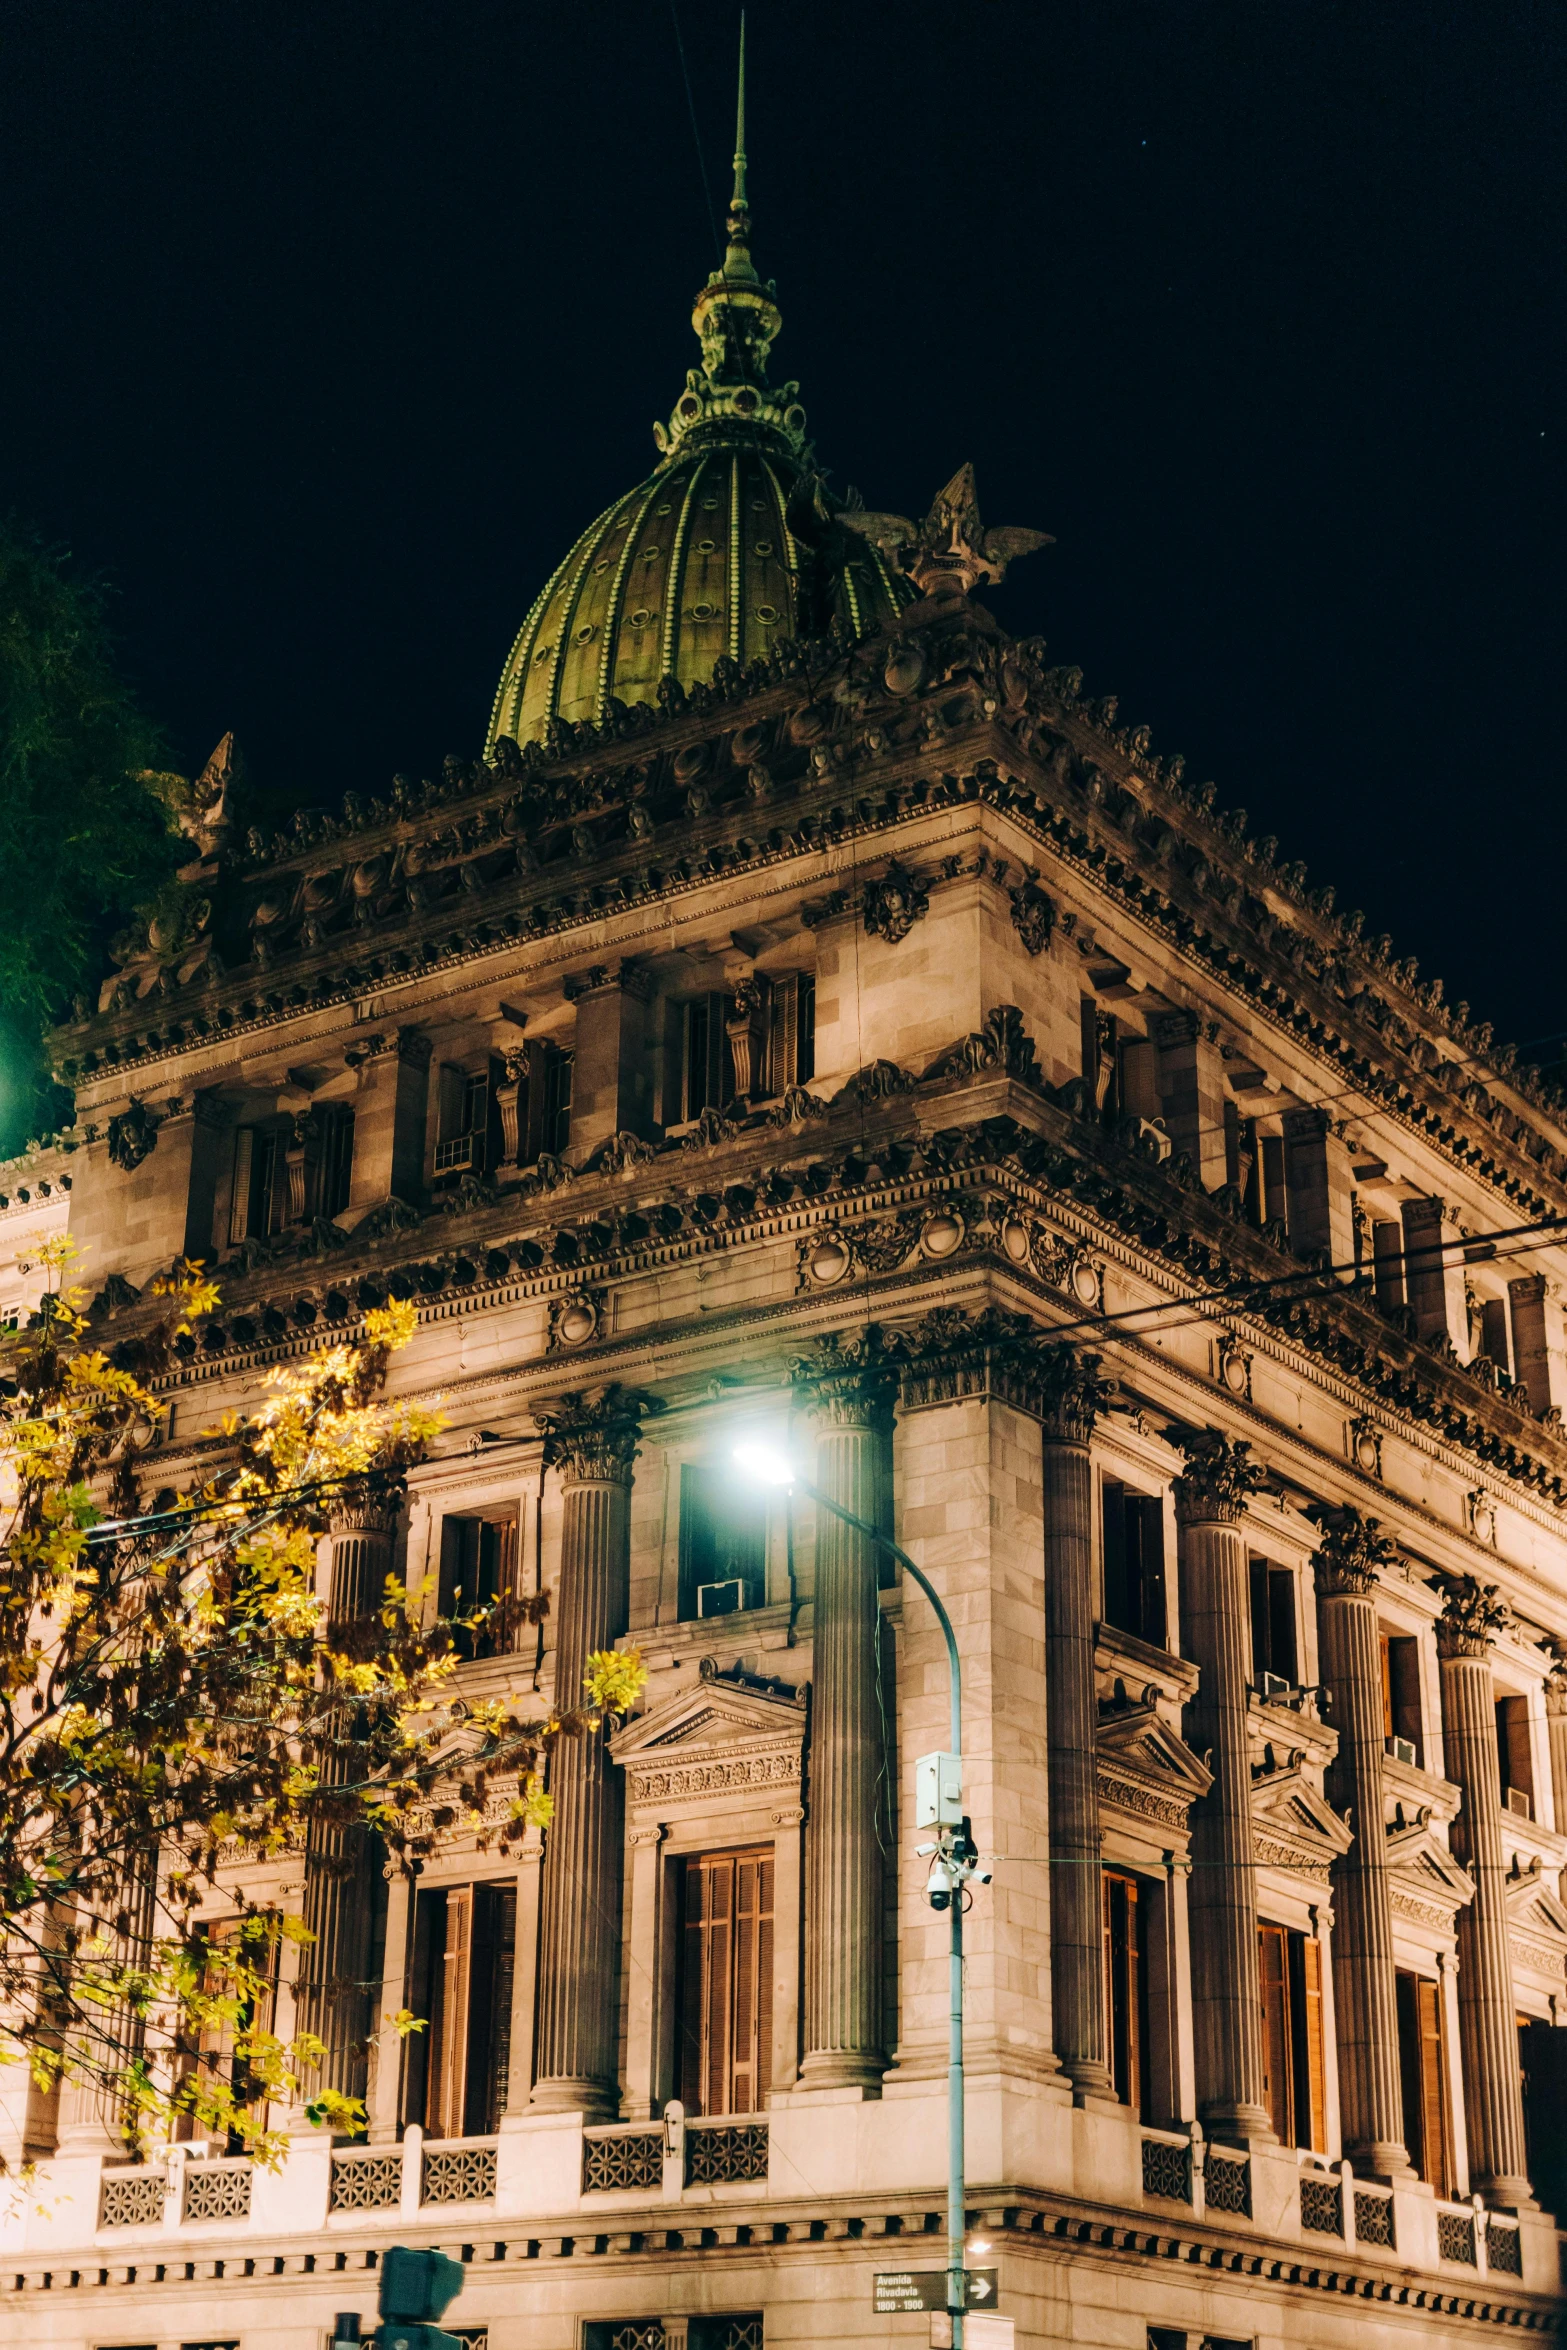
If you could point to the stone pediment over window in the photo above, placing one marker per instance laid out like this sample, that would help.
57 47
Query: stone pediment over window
1536 1928
1294 1827
718 1739
1144 1768
1427 1884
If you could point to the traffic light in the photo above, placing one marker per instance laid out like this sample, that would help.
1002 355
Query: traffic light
417 2288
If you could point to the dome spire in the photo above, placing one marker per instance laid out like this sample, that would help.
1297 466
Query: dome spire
737 321
737 261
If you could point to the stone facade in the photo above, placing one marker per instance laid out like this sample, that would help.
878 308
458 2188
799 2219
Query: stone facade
837 1050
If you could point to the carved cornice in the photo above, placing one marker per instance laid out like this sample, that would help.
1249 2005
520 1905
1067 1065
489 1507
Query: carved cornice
1219 1479
592 1434
1472 1616
1353 1551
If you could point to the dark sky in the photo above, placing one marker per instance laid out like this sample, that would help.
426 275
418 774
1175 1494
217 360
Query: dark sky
327 327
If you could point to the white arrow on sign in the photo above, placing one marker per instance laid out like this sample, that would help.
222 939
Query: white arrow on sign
980 2288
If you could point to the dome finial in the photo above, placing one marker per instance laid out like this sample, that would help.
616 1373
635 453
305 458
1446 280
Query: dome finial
737 261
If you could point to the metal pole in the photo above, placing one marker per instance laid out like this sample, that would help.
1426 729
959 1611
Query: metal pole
957 2198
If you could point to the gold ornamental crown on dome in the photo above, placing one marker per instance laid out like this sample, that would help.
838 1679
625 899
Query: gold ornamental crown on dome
730 546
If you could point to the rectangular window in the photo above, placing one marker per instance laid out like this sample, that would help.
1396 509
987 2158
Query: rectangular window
726 1982
1422 2066
1273 1649
707 1074
333 1160
1126 1973
1295 2081
1387 1263
463 1144
464 1957
1401 1692
1133 1528
1513 1755
723 1545
1274 1189
479 1577
213 2053
1493 1332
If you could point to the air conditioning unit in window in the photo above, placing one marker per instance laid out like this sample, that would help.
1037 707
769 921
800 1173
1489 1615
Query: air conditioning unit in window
1402 1750
1274 1686
1520 1802
720 1599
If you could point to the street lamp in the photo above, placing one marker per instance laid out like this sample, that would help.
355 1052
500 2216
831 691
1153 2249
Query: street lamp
938 1780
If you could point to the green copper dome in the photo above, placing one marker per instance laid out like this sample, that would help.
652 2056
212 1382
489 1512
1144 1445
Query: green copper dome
727 547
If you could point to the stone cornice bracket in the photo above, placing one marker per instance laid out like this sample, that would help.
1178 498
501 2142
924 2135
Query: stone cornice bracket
846 1381
593 1433
1473 1615
1352 1551
629 975
1219 1480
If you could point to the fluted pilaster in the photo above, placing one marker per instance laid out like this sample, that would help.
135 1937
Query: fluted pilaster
1556 1734
1487 2014
334 1996
1210 1501
1365 1994
843 1876
593 1440
1076 1896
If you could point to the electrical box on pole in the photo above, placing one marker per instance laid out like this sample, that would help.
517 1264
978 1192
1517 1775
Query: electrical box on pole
938 1791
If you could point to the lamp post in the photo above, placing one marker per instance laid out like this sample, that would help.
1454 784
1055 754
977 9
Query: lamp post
939 1805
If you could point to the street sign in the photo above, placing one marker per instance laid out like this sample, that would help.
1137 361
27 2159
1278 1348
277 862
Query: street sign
899 2290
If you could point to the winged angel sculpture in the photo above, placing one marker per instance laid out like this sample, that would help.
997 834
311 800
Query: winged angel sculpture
951 551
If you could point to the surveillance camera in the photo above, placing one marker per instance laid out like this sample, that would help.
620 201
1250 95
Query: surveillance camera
938 1887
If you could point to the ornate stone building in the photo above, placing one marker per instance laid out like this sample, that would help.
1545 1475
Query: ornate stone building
814 1015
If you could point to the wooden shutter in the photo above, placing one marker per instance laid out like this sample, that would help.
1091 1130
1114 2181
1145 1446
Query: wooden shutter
1273 1965
1314 2089
1125 2001
1435 2114
726 2022
449 2022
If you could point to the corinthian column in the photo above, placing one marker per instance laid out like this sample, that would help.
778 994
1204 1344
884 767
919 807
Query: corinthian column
1210 1508
1074 1395
333 1996
843 1885
593 1440
1487 2017
1365 1997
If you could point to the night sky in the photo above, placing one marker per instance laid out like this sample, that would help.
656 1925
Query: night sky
328 327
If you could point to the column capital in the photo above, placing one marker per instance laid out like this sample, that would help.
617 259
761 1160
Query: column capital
366 1513
1219 1479
593 1433
1352 1552
1556 1689
1473 1614
949 1355
846 1381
